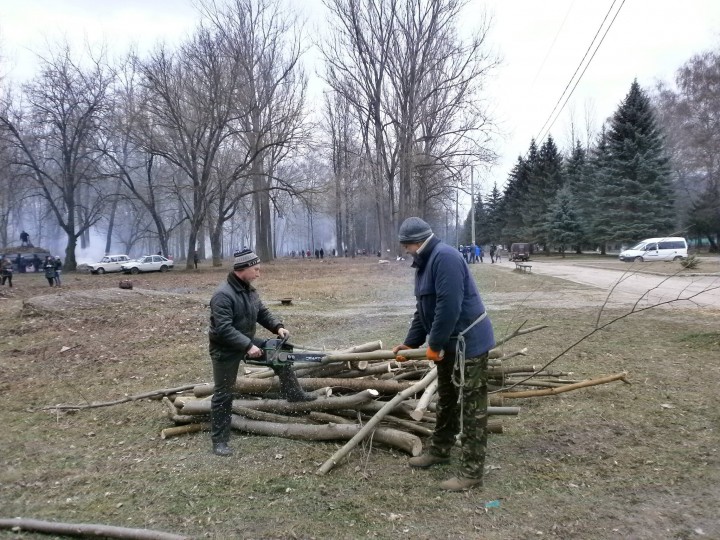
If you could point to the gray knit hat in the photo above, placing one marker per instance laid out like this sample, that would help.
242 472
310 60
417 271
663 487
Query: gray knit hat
245 259
414 230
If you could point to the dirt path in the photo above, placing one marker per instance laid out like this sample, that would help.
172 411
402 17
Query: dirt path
629 286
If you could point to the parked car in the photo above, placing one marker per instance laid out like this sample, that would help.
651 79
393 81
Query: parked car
521 251
148 263
671 248
109 263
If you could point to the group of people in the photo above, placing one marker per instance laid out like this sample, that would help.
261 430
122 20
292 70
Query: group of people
52 267
449 317
53 270
474 253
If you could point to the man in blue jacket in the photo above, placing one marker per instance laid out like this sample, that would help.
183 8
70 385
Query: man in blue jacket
451 316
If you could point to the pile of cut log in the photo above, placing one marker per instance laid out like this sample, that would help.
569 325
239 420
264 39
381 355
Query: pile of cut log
362 392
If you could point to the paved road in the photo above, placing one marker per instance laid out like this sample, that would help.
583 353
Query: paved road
629 286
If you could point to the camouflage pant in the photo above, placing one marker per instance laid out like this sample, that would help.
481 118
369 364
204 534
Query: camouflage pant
474 414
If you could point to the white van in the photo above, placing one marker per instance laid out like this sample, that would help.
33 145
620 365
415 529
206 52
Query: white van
670 248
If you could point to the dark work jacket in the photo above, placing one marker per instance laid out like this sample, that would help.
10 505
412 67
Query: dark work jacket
235 310
448 302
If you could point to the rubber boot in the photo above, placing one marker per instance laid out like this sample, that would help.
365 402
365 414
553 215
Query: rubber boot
290 388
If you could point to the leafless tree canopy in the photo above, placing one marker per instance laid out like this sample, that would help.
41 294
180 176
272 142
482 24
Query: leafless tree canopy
212 143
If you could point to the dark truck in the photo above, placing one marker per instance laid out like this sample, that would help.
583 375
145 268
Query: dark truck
520 251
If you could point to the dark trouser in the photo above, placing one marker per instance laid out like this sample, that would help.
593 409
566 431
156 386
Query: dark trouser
474 414
225 370
7 277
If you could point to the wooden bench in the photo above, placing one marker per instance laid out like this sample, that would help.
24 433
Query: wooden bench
523 266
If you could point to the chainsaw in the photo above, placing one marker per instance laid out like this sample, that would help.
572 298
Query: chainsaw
277 352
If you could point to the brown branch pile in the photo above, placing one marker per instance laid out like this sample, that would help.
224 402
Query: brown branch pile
362 392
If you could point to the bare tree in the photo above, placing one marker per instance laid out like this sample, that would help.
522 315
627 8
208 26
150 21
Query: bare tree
53 133
416 87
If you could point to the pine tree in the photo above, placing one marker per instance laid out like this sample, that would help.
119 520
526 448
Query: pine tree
545 180
563 227
598 225
578 183
636 197
495 221
516 197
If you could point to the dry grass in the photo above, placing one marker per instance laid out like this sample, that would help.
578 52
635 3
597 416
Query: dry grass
639 461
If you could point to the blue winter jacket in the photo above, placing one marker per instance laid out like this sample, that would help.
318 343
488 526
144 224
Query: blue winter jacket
448 302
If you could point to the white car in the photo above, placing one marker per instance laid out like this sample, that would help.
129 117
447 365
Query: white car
109 263
148 263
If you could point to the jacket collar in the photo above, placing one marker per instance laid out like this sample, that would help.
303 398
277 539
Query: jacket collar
421 259
238 284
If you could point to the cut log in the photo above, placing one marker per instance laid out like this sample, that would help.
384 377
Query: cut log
424 401
182 430
243 385
394 438
282 406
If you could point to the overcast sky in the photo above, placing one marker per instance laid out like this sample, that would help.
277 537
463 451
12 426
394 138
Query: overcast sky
541 43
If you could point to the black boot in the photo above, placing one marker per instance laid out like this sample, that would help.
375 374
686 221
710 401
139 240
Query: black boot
222 449
290 388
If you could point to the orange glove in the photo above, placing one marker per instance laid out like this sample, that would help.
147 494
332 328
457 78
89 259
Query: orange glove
435 356
398 348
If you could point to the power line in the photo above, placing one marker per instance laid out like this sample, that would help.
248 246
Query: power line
543 131
552 45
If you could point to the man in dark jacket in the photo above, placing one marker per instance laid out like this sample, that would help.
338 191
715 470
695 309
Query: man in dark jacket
235 310
450 314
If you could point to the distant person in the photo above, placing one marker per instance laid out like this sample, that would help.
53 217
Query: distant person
24 239
493 249
49 266
6 269
196 259
58 271
36 262
322 253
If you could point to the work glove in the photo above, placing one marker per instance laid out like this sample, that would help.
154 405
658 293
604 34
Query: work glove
435 356
397 348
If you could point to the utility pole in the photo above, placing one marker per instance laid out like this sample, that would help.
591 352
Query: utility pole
457 227
472 204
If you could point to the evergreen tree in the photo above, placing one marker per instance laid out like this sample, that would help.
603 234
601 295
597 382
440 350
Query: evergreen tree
481 224
495 221
563 226
636 197
579 183
546 179
516 197
598 225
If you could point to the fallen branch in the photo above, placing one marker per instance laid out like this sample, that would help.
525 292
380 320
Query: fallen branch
368 428
154 394
566 388
85 529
